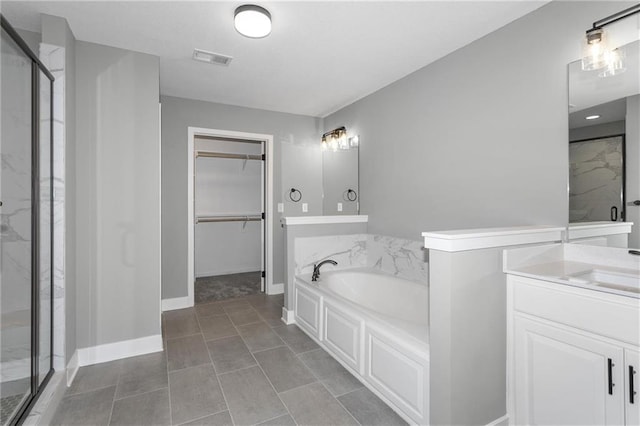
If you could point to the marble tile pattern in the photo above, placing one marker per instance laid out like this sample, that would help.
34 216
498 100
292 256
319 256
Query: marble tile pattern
350 251
399 257
595 179
15 218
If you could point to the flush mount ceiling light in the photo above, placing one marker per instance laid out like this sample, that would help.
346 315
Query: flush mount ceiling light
592 117
252 21
595 52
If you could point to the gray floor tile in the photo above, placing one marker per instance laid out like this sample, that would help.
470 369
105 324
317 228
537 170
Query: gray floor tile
368 409
259 336
195 392
151 408
244 316
178 323
94 377
216 327
271 314
313 405
219 419
142 374
230 353
209 309
284 370
90 408
185 352
250 396
297 340
235 305
285 420
333 375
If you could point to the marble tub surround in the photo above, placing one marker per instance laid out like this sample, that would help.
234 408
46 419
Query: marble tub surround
396 256
571 264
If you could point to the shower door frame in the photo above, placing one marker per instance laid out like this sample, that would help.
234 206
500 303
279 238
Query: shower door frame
36 67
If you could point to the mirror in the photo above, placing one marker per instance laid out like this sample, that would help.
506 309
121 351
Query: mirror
340 186
604 143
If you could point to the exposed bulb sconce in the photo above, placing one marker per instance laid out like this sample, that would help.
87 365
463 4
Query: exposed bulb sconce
252 21
596 54
337 139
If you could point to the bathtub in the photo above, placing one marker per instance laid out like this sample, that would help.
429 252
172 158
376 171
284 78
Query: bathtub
376 325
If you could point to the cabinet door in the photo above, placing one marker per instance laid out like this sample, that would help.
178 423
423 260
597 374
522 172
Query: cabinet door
632 385
564 378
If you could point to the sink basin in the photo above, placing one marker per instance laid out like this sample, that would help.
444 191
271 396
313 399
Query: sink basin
614 280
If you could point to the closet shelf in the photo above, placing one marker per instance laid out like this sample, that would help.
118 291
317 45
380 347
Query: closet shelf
228 218
210 154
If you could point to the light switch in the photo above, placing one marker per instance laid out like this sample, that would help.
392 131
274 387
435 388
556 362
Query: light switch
339 207
280 207
305 207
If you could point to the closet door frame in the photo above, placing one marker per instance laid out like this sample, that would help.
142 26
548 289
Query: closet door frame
267 140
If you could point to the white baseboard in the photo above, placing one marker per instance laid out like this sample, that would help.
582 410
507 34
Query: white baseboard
288 316
72 368
276 289
176 303
502 421
119 350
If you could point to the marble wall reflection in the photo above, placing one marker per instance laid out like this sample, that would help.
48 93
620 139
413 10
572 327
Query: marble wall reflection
396 256
15 220
53 57
595 180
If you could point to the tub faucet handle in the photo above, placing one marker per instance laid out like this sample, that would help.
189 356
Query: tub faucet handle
316 268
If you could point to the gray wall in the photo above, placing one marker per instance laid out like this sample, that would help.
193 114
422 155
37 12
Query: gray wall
601 130
177 115
478 138
56 31
117 195
31 38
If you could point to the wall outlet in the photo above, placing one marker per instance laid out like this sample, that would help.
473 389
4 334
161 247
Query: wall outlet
339 207
280 207
305 207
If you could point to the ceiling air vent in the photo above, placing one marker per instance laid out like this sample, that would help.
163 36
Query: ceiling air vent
210 57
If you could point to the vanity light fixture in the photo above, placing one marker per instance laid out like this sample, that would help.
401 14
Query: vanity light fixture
252 21
592 117
335 139
595 52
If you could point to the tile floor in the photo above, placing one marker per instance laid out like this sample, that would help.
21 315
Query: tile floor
225 363
222 287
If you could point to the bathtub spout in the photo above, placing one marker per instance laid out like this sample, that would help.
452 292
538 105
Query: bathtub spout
316 268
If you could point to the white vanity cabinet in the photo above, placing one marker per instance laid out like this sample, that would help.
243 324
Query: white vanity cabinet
571 353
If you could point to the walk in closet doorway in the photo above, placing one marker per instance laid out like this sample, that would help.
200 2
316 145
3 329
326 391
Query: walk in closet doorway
230 228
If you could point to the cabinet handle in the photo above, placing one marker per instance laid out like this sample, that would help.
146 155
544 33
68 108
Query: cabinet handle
632 393
610 366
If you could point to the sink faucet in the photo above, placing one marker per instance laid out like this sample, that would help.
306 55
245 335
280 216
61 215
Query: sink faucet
316 268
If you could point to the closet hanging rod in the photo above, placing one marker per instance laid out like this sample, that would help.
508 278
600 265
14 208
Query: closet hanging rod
203 219
210 154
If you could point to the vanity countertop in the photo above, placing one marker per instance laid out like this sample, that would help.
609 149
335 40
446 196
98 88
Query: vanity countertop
604 269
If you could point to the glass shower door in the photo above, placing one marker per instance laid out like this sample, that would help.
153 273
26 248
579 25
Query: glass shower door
26 285
17 237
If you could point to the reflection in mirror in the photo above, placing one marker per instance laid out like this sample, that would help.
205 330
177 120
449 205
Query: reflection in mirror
604 143
341 192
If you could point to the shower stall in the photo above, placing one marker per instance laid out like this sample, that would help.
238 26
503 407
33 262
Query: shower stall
26 284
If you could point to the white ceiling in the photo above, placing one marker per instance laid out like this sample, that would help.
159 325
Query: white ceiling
320 56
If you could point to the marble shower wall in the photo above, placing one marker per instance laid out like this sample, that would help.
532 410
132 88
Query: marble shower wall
595 180
396 256
15 219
